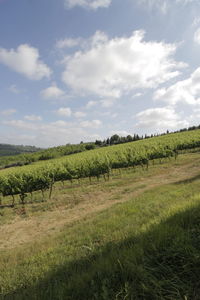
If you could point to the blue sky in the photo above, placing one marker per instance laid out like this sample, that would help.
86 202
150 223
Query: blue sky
80 70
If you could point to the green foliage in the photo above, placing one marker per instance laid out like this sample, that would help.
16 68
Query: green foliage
6 149
39 155
41 176
90 146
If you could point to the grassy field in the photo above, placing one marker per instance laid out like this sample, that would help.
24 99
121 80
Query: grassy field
136 236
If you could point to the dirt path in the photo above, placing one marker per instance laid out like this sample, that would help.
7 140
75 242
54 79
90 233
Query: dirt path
33 228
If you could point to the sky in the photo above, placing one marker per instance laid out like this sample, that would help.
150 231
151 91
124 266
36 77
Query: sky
81 70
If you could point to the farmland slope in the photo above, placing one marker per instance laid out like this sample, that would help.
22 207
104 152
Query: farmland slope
135 236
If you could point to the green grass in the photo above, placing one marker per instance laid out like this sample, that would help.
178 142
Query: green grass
128 180
145 248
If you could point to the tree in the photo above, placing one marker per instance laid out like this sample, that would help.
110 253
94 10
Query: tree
129 138
98 143
90 146
115 139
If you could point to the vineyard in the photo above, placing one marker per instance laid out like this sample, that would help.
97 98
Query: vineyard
95 163
40 155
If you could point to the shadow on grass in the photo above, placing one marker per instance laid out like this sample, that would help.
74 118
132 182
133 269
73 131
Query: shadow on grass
163 263
189 180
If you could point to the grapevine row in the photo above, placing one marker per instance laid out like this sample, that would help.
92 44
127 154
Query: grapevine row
24 180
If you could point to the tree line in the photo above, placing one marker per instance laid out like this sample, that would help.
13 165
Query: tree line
116 139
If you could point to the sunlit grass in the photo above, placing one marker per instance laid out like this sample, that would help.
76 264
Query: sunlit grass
145 248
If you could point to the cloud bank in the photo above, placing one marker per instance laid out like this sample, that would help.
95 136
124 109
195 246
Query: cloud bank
26 61
113 67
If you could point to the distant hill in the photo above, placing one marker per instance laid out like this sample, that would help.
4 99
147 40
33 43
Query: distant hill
23 155
6 149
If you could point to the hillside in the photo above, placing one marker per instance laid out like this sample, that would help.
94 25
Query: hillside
7 150
26 158
119 222
134 237
95 163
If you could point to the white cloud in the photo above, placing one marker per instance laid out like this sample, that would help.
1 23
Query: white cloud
113 67
120 132
108 114
21 124
164 5
197 36
47 134
194 118
98 37
33 118
61 123
79 114
68 43
185 2
64 111
106 103
91 104
196 21
52 92
25 60
137 95
14 89
160 119
91 124
185 91
16 138
88 4
8 112
67 112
